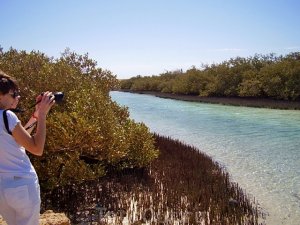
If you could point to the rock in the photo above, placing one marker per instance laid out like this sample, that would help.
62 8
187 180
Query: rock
49 218
2 222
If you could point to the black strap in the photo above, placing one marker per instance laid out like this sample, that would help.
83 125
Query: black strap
6 121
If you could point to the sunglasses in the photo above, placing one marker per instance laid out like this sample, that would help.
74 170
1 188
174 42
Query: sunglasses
15 94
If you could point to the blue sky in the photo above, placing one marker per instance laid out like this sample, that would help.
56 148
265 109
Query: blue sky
140 37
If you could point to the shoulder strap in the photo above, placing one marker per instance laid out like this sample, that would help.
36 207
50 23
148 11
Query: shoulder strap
6 122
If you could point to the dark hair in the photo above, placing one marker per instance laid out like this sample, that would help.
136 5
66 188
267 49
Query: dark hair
7 83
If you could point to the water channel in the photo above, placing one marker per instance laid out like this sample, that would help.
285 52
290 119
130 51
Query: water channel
259 147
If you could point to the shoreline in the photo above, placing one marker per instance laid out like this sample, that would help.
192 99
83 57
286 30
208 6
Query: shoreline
232 101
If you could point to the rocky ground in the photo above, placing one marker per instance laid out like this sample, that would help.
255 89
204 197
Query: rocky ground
49 218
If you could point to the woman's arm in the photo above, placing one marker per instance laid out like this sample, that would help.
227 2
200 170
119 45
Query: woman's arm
35 144
30 125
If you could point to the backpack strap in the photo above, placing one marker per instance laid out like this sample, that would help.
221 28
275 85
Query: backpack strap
6 122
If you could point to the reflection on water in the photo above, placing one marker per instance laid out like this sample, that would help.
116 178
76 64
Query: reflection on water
259 147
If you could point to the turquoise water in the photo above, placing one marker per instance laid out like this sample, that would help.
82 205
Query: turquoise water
260 148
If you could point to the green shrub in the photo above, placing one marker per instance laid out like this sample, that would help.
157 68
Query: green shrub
88 132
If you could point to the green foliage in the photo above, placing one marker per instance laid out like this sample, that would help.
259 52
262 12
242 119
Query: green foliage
88 132
259 76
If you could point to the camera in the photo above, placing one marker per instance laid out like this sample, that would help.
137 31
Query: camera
58 96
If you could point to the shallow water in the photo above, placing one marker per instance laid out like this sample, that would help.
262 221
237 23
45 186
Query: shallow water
260 148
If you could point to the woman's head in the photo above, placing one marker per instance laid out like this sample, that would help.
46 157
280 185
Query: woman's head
7 83
9 96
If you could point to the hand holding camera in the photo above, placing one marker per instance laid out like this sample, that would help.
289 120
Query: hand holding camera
58 96
45 101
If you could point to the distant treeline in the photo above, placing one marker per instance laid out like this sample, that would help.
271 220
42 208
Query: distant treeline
260 76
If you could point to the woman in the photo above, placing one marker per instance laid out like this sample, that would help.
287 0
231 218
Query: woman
19 187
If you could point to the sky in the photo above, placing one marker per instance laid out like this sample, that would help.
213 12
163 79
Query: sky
150 37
